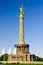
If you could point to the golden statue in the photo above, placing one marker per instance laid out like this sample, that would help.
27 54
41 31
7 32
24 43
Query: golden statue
21 10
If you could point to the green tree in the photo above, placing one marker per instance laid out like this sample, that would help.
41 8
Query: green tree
4 57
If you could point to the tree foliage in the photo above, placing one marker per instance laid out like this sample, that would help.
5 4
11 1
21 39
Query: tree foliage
37 58
4 57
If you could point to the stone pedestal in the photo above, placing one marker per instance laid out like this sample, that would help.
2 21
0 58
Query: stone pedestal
19 57
22 48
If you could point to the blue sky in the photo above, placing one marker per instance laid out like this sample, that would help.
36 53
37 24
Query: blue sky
33 24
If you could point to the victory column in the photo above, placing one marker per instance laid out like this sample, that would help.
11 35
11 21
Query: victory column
22 49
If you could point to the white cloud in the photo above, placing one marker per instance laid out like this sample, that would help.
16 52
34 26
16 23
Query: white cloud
14 50
9 50
3 51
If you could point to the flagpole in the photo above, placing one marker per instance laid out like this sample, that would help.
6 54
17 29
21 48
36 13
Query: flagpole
4 57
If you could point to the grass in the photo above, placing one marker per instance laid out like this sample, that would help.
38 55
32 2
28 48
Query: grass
20 64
